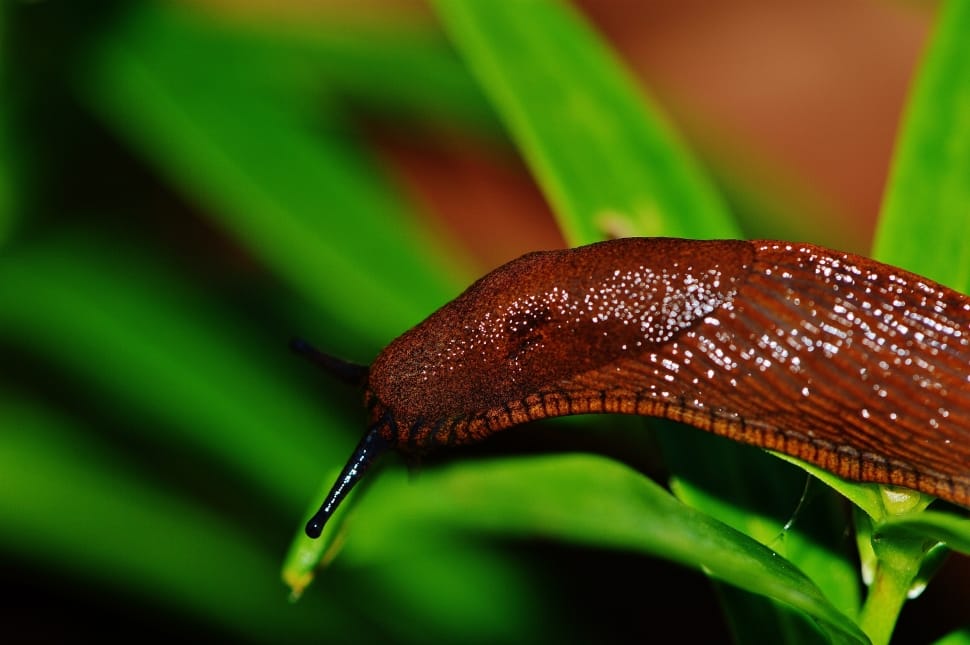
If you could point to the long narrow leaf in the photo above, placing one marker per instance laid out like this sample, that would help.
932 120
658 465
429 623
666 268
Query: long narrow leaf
947 528
606 159
153 347
277 169
610 505
68 503
925 220
958 637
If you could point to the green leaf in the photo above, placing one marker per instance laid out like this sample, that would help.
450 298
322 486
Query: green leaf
404 74
604 156
865 496
138 336
608 505
453 589
947 528
958 637
410 74
925 221
878 501
71 504
307 554
275 166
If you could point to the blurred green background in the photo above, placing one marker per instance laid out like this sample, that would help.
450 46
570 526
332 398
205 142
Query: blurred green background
185 186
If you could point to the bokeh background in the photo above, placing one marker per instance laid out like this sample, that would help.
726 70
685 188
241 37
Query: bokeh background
186 185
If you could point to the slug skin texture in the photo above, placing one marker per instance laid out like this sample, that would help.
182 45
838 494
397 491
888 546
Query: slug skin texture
855 366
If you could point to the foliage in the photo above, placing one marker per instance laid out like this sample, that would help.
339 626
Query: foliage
162 448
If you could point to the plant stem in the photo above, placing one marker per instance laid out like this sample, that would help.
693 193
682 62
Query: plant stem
897 565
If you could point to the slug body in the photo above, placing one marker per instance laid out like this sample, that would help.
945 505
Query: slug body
855 366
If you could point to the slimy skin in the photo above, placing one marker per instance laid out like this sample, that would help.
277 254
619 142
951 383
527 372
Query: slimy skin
855 366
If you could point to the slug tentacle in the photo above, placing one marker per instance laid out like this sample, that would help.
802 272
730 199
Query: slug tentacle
350 373
370 446
855 366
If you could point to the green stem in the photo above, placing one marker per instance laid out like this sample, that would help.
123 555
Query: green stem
898 562
882 607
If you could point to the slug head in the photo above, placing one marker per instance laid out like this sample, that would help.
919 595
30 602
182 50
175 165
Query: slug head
528 326
534 325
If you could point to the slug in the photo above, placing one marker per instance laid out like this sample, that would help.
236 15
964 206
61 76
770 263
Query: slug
855 366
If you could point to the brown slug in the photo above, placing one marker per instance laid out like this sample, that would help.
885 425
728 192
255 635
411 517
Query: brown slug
855 366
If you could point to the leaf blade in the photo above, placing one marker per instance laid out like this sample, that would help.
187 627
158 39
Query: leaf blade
605 157
611 506
925 206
